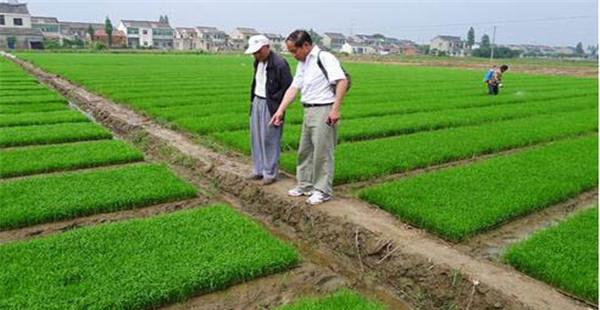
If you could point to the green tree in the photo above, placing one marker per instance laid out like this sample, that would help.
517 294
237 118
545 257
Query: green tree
579 49
471 37
593 50
90 32
108 28
485 41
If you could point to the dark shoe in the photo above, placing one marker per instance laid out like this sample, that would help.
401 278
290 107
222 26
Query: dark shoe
254 177
268 181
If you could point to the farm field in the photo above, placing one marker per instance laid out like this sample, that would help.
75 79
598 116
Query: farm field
565 255
535 145
155 261
57 165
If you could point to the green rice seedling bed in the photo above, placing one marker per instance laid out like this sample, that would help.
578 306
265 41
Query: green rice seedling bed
51 134
356 161
565 255
40 118
48 198
459 202
48 158
140 264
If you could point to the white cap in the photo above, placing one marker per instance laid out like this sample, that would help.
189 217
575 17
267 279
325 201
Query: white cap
255 43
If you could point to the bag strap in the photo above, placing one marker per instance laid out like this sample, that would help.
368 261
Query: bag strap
321 66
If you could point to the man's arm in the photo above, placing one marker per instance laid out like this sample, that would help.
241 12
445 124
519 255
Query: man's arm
288 98
340 92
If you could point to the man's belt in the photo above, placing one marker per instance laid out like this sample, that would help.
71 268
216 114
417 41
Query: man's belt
309 105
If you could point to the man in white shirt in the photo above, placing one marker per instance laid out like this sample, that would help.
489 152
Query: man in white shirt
323 89
271 79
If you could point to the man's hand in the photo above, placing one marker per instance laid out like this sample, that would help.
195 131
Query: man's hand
277 119
334 117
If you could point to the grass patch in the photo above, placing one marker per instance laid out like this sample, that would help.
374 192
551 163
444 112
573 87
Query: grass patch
565 255
396 124
48 158
51 134
140 263
29 108
459 202
341 300
366 159
44 199
40 118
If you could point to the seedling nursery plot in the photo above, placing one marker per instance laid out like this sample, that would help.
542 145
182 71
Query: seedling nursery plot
539 136
131 264
565 255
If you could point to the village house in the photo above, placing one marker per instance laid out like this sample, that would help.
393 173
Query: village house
277 42
354 48
211 39
148 34
333 41
243 33
48 25
15 27
449 45
77 30
185 38
118 39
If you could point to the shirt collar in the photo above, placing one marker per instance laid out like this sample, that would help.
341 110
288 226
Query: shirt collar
315 51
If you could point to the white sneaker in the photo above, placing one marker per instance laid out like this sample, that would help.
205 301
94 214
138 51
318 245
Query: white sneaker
318 197
299 191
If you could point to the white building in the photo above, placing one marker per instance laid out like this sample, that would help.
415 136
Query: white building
211 39
357 49
147 34
333 41
450 45
243 33
15 27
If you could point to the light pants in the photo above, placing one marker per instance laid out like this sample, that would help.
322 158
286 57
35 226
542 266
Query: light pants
316 151
265 140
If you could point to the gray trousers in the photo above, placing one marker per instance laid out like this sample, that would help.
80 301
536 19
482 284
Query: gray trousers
265 140
316 151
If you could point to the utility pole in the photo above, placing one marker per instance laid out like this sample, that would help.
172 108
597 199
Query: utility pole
493 43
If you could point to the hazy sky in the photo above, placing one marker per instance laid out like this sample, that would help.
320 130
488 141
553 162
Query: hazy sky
548 22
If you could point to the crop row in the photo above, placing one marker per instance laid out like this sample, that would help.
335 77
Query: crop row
47 198
356 161
565 255
382 126
140 263
457 203
49 158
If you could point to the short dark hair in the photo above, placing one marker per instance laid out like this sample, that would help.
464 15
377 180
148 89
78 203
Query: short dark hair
503 68
299 37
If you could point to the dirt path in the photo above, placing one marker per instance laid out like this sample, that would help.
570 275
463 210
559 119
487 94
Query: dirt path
423 270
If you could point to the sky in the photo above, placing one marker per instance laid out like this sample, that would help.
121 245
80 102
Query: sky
544 22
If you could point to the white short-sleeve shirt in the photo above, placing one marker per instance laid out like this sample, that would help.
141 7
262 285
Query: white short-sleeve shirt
310 80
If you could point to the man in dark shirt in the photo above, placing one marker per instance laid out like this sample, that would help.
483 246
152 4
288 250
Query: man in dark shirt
272 78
